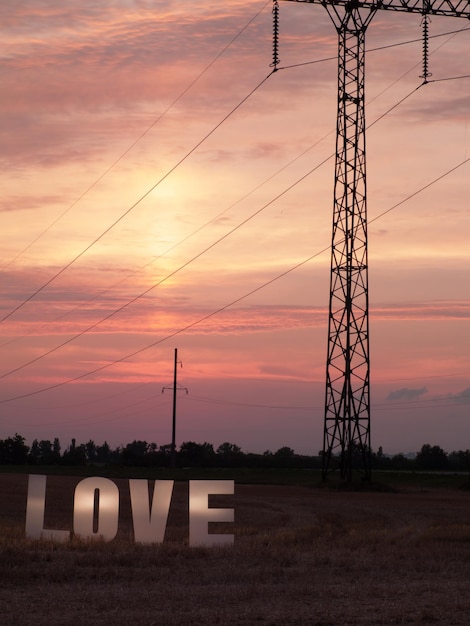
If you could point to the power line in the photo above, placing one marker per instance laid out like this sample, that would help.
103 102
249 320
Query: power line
205 250
226 306
392 406
196 256
102 414
377 49
135 204
116 311
440 80
139 138
219 240
438 402
254 189
158 396
421 189
76 258
166 278
184 158
175 245
170 275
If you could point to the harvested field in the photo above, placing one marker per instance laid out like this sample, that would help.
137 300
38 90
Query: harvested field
301 556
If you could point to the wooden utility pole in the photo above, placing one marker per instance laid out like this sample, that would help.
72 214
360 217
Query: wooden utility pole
175 388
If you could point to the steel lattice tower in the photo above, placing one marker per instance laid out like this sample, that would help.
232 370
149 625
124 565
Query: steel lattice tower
346 435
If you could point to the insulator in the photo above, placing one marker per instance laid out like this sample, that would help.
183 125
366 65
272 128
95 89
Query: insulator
426 74
276 59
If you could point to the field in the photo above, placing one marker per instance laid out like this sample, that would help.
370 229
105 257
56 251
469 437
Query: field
302 555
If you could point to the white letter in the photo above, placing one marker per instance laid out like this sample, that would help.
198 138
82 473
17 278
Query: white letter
107 508
150 520
200 514
35 506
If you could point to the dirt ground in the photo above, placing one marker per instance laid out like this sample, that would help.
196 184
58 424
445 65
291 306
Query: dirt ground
300 556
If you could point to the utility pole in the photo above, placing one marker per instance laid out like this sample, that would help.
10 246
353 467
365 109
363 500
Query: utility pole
346 435
175 388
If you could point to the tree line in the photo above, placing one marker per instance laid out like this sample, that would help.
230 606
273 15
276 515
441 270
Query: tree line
14 451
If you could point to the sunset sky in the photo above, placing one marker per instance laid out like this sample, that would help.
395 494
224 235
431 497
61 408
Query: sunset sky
135 220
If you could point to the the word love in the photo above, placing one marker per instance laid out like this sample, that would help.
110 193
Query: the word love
96 510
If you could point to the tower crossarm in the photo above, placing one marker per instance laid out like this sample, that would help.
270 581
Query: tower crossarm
450 8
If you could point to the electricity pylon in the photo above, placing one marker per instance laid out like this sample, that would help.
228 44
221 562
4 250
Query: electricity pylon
346 435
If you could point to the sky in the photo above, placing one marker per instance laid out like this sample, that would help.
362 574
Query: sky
162 189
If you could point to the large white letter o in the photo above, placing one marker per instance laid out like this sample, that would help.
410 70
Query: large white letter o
107 508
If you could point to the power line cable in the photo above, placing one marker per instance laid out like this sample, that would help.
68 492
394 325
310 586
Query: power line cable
437 80
199 229
102 415
137 202
175 101
192 259
421 189
216 242
181 161
175 245
128 406
226 306
440 80
139 138
377 49
166 278
399 406
440 402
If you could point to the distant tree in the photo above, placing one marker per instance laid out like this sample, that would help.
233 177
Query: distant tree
13 450
380 460
228 449
359 454
20 449
460 460
165 450
90 451
103 453
49 453
431 458
34 453
229 455
285 453
199 454
56 451
283 457
135 453
154 456
74 455
401 462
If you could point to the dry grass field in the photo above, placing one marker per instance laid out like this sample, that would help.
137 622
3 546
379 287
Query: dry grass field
301 556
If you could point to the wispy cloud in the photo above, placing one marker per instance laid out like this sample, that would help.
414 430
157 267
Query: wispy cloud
85 78
462 397
457 309
28 202
406 394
